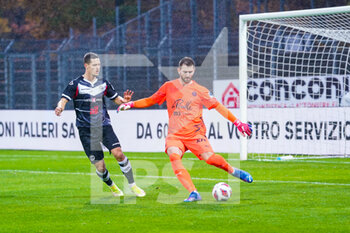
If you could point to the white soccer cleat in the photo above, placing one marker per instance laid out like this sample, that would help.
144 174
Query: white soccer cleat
116 191
137 191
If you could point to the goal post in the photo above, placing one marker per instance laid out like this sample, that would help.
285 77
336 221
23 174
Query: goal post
294 80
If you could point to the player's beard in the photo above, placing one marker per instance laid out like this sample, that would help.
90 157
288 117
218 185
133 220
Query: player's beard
186 80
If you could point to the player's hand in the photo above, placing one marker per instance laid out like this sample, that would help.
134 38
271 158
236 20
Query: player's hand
125 106
244 129
127 95
58 111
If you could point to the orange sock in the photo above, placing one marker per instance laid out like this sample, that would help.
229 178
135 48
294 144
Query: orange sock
220 162
181 172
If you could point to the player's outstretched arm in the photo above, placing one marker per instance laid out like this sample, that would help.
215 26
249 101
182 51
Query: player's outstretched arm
141 103
60 106
127 97
244 129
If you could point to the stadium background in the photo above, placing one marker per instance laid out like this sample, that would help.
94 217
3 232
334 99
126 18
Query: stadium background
53 191
33 72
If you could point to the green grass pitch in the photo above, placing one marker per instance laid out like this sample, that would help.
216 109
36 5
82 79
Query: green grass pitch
42 191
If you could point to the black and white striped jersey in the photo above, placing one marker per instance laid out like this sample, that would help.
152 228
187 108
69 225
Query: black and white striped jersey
89 102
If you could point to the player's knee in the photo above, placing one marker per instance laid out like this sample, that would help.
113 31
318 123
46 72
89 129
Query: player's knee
174 150
100 166
118 154
174 157
176 164
206 156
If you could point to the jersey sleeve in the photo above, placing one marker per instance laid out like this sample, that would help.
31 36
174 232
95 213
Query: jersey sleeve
160 96
208 101
71 90
110 91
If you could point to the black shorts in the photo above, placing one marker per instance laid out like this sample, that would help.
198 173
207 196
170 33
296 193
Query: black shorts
91 138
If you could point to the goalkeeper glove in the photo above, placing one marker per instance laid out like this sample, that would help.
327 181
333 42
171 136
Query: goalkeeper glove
125 106
243 127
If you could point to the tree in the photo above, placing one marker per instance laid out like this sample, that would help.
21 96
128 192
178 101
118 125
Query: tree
52 18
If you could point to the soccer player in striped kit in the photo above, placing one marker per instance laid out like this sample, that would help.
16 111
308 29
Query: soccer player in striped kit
88 93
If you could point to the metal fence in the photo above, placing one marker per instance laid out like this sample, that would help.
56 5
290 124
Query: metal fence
34 73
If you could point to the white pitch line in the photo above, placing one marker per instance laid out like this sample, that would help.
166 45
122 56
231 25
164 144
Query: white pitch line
301 182
304 161
83 156
18 156
173 177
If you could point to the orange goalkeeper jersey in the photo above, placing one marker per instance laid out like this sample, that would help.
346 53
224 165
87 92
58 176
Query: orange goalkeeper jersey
185 107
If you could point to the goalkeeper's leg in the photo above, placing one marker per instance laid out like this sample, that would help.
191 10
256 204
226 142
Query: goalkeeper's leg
175 149
203 150
181 172
184 177
218 161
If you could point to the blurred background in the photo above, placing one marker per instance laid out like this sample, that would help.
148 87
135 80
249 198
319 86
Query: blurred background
42 42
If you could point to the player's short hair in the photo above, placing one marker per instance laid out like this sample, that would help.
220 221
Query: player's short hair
187 61
88 56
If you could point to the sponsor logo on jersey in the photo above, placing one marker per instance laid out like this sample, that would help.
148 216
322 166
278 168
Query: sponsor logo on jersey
201 140
181 104
94 91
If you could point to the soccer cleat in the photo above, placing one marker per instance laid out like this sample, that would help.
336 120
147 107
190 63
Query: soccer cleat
243 175
194 196
138 191
116 191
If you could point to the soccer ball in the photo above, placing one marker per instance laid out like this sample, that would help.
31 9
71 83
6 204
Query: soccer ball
222 191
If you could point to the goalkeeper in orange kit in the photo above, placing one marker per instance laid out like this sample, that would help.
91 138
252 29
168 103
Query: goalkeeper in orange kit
185 99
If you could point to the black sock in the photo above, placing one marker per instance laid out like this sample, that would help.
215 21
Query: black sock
105 177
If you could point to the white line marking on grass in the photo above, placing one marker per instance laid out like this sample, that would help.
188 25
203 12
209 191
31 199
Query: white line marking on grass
165 157
173 177
304 161
300 182
228 159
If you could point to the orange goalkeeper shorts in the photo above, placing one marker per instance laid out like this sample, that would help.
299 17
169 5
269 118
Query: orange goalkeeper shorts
198 145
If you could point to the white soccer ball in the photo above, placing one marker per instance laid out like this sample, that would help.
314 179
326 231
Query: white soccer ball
222 191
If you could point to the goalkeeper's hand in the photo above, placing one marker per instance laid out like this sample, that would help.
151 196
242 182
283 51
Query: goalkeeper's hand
244 129
125 106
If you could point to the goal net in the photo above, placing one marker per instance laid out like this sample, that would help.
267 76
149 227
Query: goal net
295 83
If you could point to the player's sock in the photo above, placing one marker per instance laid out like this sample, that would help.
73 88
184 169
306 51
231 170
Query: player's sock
126 168
181 172
105 177
218 161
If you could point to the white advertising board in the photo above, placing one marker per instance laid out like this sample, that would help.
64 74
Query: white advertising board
279 92
289 130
